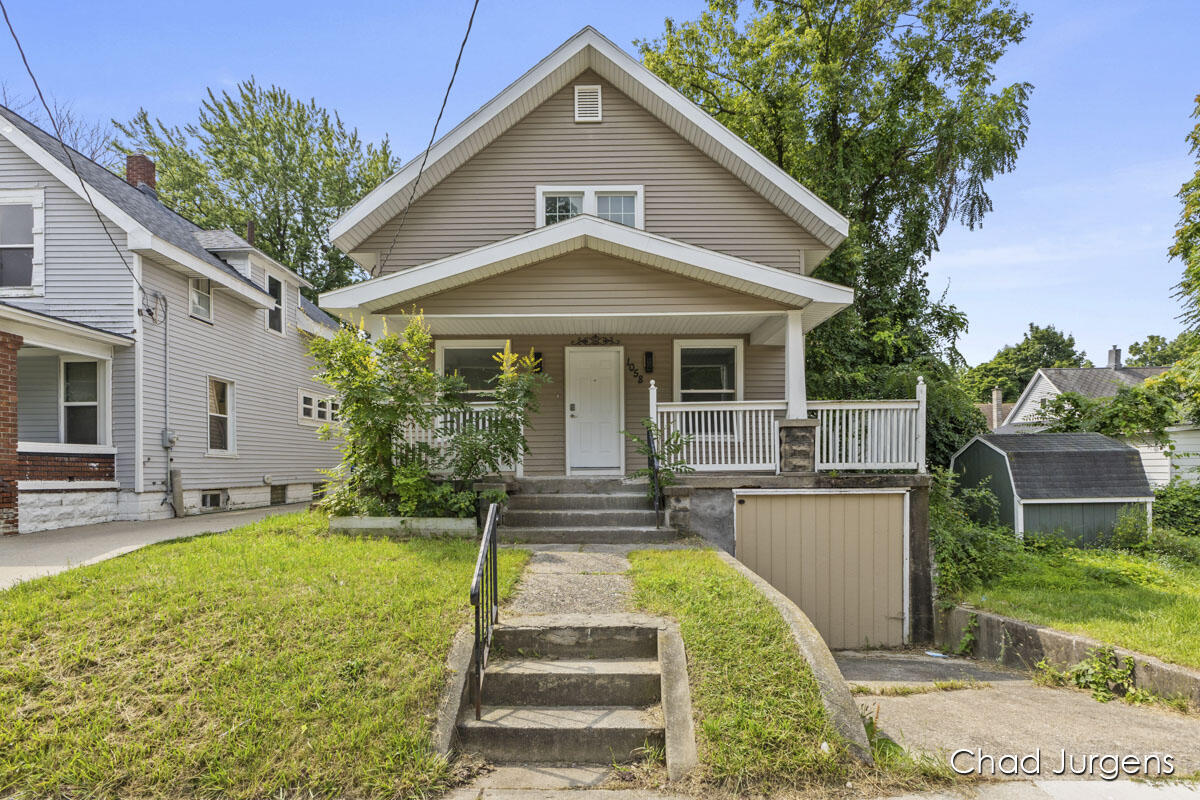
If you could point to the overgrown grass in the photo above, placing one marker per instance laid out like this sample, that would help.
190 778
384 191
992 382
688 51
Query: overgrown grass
760 722
1150 604
271 660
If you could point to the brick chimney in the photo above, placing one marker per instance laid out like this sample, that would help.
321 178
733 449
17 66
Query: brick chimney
139 170
997 407
1114 357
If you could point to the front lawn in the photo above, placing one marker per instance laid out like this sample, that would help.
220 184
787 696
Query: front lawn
1150 604
274 659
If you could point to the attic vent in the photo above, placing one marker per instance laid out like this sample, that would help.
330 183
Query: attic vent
587 103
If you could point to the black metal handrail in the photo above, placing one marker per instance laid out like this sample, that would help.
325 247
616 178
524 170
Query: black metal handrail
485 597
655 480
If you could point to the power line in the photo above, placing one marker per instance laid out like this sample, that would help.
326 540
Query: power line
70 158
432 136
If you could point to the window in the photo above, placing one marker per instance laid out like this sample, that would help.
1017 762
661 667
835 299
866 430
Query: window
275 315
81 410
622 204
220 416
212 501
708 371
317 410
21 242
588 107
279 495
200 303
472 360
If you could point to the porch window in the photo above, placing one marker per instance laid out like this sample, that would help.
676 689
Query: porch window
220 416
81 385
622 204
474 361
20 241
708 371
200 303
275 315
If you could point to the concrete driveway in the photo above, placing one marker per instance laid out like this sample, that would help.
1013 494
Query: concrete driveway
33 555
1006 713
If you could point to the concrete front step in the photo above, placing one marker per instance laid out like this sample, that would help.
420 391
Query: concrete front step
573 535
573 682
577 485
600 641
577 518
558 734
582 501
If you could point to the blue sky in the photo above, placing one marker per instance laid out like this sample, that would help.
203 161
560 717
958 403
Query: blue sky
1080 231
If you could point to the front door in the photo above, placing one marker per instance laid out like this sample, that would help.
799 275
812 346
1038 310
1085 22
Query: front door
594 409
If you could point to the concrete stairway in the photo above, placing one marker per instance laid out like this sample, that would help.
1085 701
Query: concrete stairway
559 692
580 511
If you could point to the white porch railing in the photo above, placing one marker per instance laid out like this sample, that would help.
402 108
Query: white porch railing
731 436
870 434
478 415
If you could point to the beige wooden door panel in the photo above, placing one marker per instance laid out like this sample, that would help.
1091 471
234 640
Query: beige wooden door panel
839 557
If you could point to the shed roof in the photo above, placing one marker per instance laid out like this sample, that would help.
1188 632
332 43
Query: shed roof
1049 466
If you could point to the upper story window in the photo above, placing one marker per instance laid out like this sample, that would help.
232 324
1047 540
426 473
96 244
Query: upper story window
474 361
623 204
21 264
708 370
200 304
275 315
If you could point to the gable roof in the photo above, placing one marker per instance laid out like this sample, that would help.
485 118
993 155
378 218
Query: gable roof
1098 381
1047 466
820 299
134 210
588 49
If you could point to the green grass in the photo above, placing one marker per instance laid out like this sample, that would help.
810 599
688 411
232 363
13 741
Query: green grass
1150 604
271 660
760 721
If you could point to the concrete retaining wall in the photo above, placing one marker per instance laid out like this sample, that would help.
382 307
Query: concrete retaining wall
1022 644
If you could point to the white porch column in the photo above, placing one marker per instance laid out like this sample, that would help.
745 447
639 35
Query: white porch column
793 354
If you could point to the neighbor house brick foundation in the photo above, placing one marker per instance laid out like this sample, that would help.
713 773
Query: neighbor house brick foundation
9 466
65 467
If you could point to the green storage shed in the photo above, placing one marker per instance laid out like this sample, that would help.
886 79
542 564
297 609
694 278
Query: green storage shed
1073 483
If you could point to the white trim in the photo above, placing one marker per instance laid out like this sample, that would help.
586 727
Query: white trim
589 49
1018 518
45 486
59 447
230 418
599 90
589 204
212 311
1020 404
139 466
795 390
39 330
102 403
739 363
620 370
1052 500
907 567
35 197
752 492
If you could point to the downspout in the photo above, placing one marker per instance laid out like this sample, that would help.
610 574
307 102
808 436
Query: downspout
174 494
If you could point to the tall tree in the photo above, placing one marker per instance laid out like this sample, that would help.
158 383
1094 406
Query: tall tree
260 154
1014 364
888 110
92 138
1158 351
1186 246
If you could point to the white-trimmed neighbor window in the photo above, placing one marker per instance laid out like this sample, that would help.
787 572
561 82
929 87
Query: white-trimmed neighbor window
708 370
82 402
21 242
220 417
474 360
315 409
622 204
275 315
200 301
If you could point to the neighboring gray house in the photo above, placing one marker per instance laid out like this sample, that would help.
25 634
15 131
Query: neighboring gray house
1159 463
177 351
1076 484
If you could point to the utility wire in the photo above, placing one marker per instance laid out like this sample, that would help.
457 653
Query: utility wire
70 158
428 147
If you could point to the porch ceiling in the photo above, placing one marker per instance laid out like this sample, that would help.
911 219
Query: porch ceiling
581 324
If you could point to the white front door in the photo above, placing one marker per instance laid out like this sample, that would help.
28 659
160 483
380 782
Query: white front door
594 409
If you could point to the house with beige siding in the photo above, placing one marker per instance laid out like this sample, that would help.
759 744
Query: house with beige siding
149 368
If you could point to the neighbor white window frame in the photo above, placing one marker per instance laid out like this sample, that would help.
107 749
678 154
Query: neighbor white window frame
442 345
281 304
317 401
589 193
103 401
230 418
37 281
193 290
739 361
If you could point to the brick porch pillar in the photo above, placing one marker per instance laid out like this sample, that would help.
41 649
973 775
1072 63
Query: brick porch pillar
10 343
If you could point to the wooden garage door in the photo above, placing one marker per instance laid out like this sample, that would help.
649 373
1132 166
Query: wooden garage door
840 557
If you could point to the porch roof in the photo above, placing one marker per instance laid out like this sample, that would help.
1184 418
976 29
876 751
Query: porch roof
818 299
42 330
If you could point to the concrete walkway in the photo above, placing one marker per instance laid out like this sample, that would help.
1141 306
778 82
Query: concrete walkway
573 579
33 555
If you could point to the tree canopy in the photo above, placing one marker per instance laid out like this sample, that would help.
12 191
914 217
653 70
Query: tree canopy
260 154
1158 351
889 111
1014 365
1186 246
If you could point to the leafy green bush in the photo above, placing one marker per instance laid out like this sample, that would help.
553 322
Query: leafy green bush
967 554
668 450
1131 531
1177 506
1167 542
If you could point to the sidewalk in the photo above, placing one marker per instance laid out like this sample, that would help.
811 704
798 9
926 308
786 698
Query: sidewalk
33 555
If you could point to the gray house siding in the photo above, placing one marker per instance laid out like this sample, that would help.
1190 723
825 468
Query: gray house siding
266 369
980 463
124 415
85 278
37 399
1085 522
